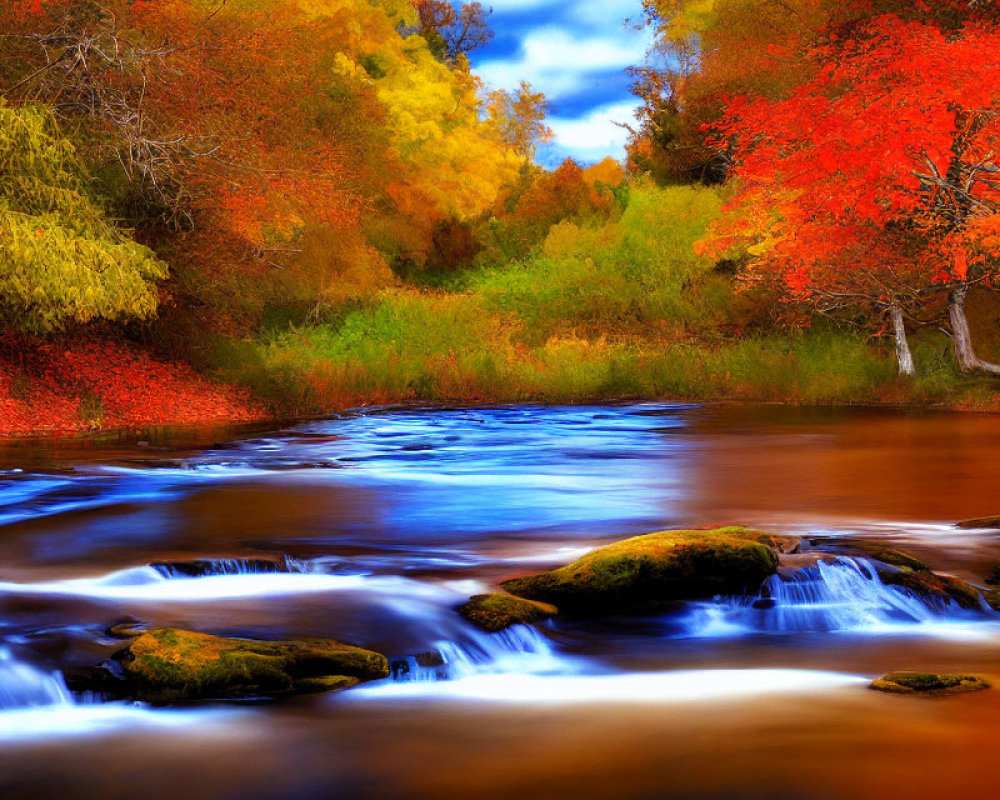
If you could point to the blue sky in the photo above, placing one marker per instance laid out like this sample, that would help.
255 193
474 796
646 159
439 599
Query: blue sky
575 51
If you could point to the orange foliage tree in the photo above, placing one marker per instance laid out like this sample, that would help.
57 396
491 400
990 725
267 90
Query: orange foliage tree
705 51
874 182
218 135
271 152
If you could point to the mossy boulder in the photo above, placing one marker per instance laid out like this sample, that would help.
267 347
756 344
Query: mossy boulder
932 585
497 612
898 568
990 523
648 572
929 683
171 666
783 544
894 558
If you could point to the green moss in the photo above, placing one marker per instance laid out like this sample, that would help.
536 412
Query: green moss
649 571
173 666
496 612
928 683
895 558
779 542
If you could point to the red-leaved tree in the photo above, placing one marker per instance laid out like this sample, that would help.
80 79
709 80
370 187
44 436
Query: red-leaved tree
876 182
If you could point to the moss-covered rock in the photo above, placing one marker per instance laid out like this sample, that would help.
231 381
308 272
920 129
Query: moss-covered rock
650 571
167 666
894 558
898 568
991 523
928 683
931 585
780 542
497 612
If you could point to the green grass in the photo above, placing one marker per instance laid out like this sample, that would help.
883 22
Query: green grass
428 348
620 310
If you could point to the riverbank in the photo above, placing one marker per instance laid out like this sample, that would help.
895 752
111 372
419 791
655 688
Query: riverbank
601 310
90 384
315 370
105 385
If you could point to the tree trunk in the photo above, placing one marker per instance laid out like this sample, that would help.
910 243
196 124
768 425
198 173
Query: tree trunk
903 354
961 336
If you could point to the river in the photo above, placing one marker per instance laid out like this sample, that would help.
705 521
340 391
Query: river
378 524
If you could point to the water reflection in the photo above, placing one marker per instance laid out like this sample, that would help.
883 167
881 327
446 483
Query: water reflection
372 529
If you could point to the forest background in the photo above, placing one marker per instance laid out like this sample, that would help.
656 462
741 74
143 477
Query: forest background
217 210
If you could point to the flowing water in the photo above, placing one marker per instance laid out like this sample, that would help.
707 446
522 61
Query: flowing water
371 528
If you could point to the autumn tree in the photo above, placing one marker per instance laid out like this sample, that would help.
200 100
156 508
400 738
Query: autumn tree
273 153
566 193
62 260
874 182
705 51
519 119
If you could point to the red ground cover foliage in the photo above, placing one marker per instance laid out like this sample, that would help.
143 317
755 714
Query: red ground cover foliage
87 384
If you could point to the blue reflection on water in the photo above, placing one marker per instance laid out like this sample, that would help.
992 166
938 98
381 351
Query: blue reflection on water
458 470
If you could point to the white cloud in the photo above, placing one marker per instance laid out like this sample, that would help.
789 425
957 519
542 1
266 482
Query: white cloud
594 136
566 47
555 61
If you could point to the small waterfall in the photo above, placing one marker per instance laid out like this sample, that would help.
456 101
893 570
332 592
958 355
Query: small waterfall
23 686
205 568
521 649
841 594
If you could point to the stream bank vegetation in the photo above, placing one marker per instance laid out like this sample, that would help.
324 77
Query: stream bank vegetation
296 206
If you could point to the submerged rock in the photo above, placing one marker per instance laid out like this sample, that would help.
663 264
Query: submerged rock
168 666
404 667
430 659
650 571
497 612
928 683
126 628
992 523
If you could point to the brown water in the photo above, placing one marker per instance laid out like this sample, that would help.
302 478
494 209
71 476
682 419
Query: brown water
386 521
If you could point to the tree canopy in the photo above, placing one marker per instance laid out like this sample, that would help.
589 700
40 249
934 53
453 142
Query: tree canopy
62 260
